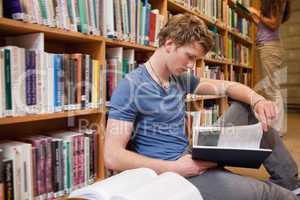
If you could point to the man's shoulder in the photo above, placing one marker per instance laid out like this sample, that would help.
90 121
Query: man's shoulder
137 76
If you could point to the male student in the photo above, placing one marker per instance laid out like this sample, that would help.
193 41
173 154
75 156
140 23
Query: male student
145 125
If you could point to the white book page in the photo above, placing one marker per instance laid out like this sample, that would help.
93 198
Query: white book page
241 136
119 184
167 186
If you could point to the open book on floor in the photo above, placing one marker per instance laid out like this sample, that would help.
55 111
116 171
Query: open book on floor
140 184
237 146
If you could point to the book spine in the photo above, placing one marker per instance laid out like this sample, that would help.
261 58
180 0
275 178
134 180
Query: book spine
82 160
48 168
68 166
65 174
83 82
95 153
30 81
54 148
58 77
8 179
1 175
90 82
12 9
86 159
8 92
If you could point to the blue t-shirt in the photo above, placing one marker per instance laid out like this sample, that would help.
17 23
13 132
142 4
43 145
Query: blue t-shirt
158 115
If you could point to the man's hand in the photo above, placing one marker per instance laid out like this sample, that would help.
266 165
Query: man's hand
265 112
187 167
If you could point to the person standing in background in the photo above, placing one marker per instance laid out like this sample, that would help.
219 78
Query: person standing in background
269 53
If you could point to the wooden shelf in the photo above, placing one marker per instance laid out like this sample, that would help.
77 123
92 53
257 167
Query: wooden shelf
192 98
138 47
241 66
245 40
40 117
13 27
176 7
215 61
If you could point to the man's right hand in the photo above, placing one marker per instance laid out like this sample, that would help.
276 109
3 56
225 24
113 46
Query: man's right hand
187 167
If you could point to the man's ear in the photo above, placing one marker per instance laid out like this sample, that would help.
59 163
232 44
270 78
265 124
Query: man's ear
169 45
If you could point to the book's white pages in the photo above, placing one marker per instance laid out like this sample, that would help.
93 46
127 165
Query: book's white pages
248 136
119 184
167 186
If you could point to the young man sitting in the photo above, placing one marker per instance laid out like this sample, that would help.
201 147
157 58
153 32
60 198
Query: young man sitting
146 120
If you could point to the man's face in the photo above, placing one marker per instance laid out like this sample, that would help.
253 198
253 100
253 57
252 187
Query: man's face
182 58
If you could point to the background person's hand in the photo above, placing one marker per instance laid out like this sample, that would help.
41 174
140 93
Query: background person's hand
265 112
187 167
255 14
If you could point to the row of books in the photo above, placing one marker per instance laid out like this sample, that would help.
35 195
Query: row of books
47 167
35 82
238 23
238 53
218 50
206 116
119 62
213 9
213 72
130 20
243 77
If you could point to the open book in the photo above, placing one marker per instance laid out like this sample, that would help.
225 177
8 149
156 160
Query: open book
232 146
140 184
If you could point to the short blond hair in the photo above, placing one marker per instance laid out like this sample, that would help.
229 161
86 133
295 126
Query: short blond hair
186 29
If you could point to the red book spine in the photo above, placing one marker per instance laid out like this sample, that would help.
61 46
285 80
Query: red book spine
152 28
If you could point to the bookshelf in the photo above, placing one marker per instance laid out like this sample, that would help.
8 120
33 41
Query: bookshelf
57 40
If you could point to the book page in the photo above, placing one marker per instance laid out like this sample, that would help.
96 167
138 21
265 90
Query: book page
241 136
167 186
248 136
119 184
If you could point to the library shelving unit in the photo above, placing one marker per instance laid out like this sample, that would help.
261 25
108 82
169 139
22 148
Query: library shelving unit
61 41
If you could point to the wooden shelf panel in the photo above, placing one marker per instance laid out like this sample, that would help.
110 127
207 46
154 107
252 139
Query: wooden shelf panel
241 38
192 98
176 7
138 47
14 27
242 66
215 61
40 117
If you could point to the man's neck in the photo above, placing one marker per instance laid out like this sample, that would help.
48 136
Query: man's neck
160 67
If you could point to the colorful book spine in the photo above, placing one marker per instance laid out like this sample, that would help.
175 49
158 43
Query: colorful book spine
8 82
8 179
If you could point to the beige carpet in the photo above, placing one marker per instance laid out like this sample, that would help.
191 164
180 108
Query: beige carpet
291 139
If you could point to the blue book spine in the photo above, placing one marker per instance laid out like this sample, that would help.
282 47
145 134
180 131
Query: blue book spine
12 9
147 31
58 78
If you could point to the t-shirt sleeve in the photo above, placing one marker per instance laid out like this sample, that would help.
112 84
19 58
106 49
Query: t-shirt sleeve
122 105
188 82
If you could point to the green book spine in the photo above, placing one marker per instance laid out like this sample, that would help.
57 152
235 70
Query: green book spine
8 99
82 16
43 10
125 69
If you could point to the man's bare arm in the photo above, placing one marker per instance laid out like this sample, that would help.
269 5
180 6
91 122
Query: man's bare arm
117 157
